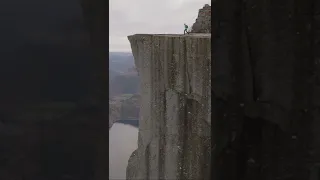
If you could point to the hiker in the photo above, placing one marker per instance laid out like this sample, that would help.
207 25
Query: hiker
185 29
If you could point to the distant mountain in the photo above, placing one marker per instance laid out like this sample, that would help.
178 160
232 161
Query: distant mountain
120 62
130 108
124 83
112 74
123 77
120 54
124 107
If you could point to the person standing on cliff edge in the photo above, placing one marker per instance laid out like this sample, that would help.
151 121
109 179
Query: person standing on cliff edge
185 29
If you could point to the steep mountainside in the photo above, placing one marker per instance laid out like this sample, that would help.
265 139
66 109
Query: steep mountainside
52 98
174 125
124 84
123 77
203 22
266 89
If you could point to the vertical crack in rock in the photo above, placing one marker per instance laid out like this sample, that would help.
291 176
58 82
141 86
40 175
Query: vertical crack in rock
246 29
188 76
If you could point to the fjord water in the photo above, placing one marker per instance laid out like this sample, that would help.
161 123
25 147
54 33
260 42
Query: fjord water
123 140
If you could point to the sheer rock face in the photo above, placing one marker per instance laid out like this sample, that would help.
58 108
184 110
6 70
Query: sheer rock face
203 22
266 80
174 133
53 97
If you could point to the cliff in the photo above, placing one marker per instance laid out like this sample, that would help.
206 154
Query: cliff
203 22
266 81
53 108
174 128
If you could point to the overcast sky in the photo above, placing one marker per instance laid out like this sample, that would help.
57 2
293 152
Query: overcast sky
129 17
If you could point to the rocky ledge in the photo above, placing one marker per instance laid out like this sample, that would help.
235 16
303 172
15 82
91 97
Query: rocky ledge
174 129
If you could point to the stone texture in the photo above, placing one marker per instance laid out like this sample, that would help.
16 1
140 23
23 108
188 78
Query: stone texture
203 22
53 100
174 129
266 90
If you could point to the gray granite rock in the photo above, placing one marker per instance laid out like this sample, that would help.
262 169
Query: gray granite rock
174 128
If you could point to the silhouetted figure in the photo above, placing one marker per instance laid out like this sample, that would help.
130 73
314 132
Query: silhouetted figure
185 29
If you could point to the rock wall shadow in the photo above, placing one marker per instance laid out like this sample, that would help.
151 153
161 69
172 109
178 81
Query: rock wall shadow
48 128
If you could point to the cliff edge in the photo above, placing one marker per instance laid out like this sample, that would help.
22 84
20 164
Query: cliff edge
174 134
